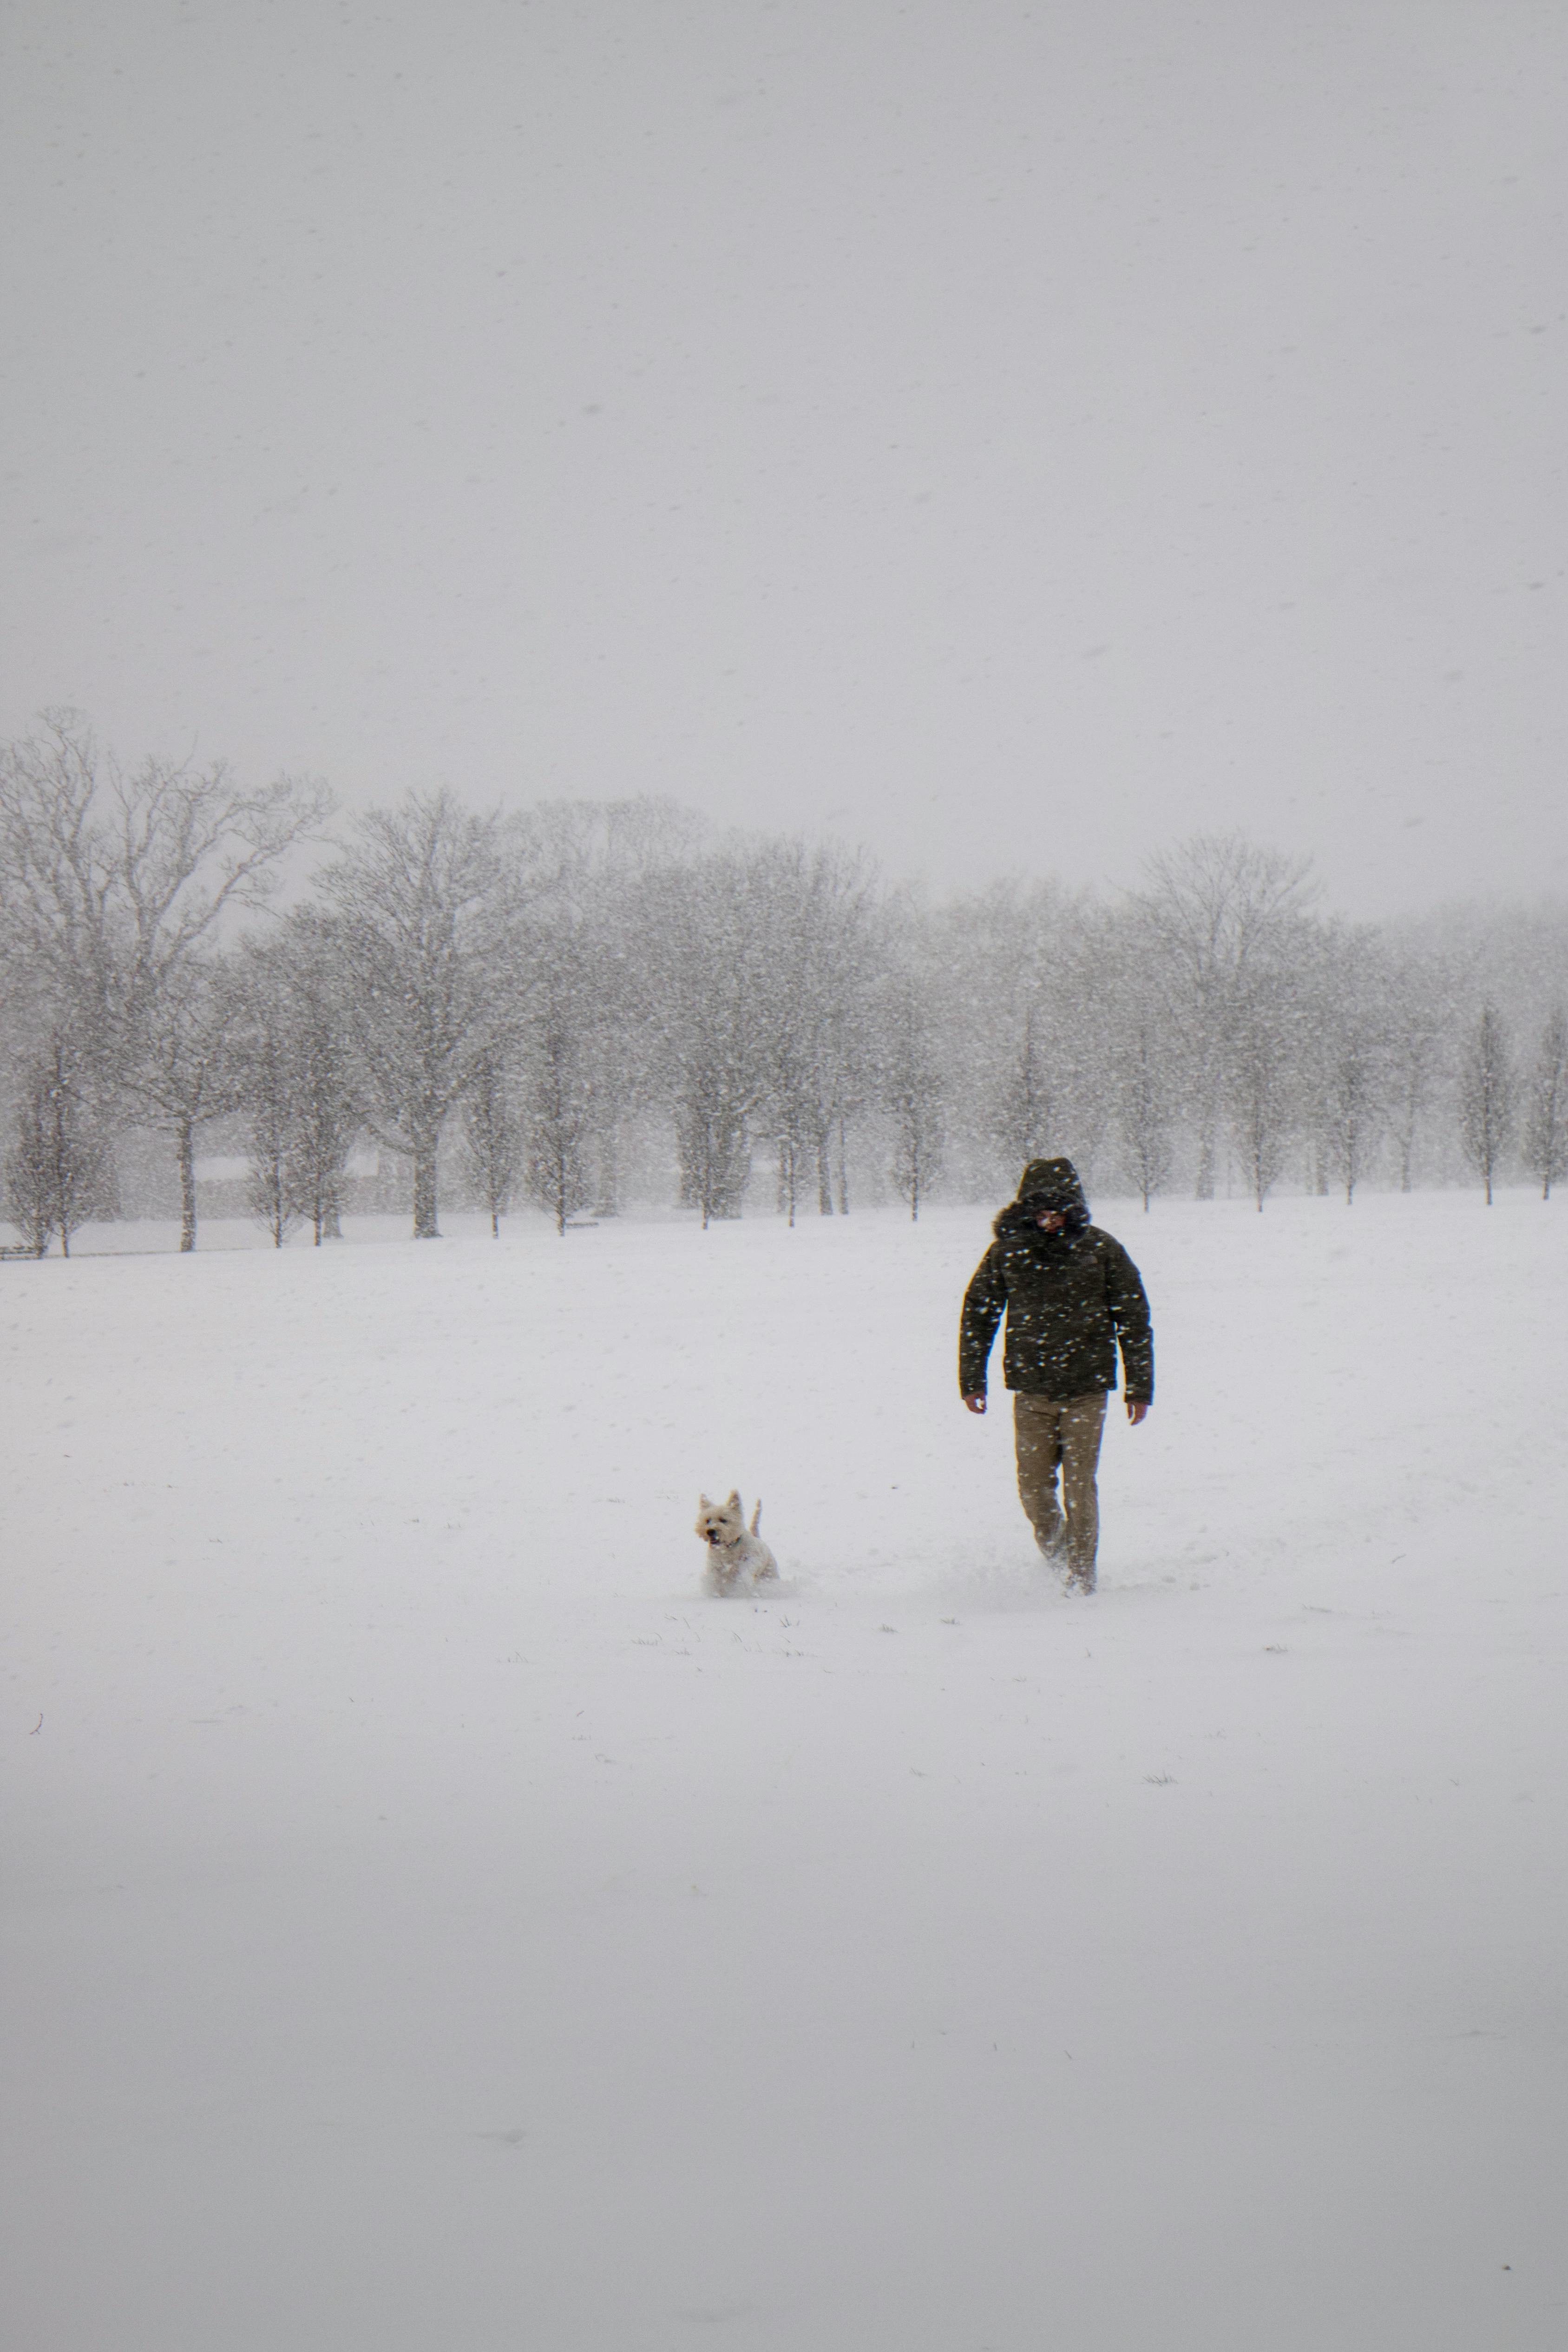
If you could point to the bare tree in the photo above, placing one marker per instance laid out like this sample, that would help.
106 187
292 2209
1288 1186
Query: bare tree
1353 1107
116 881
426 944
492 1140
1024 1100
324 1110
812 908
1347 1060
32 1178
1012 1024
559 1125
55 1168
912 1090
610 880
560 1065
292 1073
269 1191
714 1140
1260 1085
1546 1108
1421 1020
708 987
186 1073
1219 909
1144 1114
1488 1093
1140 1055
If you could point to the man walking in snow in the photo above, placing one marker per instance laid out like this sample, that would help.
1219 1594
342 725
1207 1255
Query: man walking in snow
1070 1294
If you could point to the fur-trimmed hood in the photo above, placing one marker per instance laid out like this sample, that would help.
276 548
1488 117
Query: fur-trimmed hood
1044 1184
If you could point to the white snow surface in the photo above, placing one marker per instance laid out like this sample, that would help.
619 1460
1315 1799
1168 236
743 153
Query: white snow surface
432 1924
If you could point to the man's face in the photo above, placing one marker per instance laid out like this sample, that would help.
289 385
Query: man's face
1051 1220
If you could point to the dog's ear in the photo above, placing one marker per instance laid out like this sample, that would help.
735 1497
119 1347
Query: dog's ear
734 1501
703 1503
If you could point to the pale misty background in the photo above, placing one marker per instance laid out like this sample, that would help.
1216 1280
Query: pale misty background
1010 436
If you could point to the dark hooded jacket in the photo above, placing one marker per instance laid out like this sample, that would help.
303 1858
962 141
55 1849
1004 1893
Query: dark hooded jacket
1069 1298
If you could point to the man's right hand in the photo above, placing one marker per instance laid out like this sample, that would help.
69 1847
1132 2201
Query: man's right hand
976 1403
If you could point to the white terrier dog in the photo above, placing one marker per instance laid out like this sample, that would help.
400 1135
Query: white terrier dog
735 1550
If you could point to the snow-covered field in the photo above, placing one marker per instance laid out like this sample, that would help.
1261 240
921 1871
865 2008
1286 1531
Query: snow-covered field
431 1926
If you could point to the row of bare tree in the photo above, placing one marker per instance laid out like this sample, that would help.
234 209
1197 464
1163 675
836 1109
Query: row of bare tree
522 1002
1213 1026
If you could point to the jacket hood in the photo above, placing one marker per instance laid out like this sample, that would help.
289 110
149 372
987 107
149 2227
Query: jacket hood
1051 1184
1044 1184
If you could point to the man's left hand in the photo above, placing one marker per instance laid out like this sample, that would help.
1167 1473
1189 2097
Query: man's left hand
1136 1409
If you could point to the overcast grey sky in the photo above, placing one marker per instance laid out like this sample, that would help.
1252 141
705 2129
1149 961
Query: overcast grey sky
1011 435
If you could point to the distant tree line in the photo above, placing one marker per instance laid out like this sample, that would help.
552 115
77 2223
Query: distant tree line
584 1003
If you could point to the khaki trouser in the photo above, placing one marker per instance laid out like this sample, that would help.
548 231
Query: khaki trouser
1060 1432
